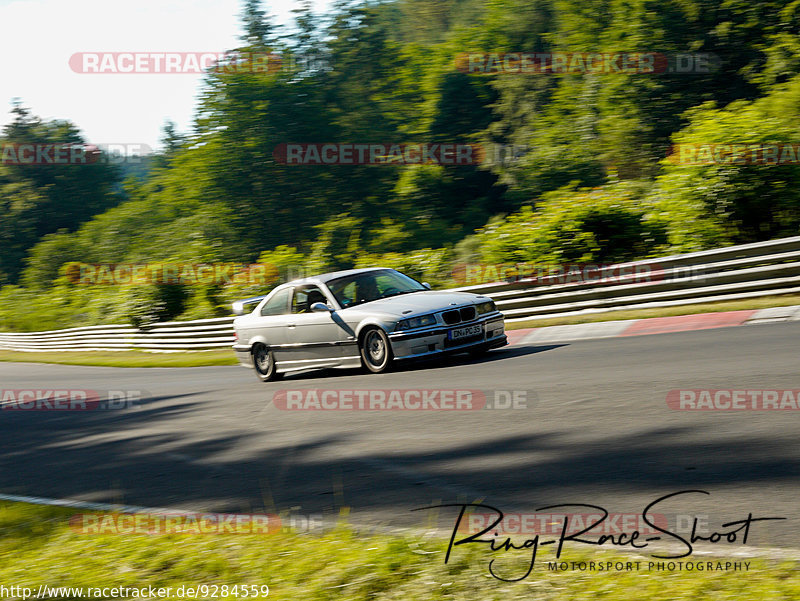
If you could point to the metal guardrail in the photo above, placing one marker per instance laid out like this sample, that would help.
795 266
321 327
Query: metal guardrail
201 334
731 273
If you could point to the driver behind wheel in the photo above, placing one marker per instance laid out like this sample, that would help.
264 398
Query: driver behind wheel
366 289
314 296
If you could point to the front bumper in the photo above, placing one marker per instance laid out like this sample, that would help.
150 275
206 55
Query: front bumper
435 340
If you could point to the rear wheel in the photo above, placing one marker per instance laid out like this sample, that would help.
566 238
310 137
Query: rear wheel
264 363
376 352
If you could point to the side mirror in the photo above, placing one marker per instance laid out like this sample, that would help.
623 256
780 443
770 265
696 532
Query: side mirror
426 285
321 308
241 307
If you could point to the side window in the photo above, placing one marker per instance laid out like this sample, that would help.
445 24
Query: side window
304 297
278 304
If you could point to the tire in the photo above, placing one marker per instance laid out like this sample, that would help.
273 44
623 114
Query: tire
376 351
264 363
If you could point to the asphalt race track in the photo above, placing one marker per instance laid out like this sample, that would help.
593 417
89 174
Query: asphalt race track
597 430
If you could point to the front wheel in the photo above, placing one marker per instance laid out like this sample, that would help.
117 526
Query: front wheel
376 352
264 363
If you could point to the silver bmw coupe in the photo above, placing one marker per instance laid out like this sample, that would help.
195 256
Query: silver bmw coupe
360 317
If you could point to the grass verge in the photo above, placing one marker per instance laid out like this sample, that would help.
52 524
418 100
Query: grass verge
39 548
125 358
737 305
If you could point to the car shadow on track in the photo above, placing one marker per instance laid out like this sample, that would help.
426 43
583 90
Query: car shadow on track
438 363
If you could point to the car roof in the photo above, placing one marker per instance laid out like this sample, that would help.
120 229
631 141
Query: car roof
327 277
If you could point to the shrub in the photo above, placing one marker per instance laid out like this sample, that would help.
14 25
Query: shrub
606 225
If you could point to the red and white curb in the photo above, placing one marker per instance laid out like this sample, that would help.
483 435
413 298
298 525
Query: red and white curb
655 325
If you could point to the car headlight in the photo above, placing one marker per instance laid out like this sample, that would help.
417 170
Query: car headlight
485 307
415 322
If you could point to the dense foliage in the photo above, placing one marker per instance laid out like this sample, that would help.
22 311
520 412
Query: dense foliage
575 165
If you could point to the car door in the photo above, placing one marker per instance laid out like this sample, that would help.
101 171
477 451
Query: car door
270 323
317 337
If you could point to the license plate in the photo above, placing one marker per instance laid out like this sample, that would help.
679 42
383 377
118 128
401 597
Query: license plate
459 333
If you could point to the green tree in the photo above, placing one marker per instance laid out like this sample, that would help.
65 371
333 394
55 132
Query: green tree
259 32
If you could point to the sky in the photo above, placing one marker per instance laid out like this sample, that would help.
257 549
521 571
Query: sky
38 37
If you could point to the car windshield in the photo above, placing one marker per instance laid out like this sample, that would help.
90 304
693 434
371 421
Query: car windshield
369 286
